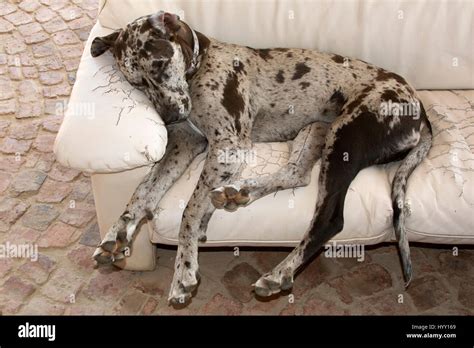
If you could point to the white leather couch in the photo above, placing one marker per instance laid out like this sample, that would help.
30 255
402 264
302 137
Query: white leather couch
113 132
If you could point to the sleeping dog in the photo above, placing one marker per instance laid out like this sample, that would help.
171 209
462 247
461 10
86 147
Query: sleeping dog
224 97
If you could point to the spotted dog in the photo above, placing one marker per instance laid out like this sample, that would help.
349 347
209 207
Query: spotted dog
218 96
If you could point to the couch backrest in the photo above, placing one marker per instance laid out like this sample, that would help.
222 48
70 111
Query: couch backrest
430 42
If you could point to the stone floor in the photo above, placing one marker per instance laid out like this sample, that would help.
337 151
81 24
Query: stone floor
46 205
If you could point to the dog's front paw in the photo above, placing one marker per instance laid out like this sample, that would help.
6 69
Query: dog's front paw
230 197
180 296
272 283
110 251
182 287
103 257
113 247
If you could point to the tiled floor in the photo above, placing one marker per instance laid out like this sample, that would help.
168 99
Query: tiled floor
45 204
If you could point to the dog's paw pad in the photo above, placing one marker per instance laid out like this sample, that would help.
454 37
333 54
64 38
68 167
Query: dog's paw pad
230 197
218 198
180 300
110 251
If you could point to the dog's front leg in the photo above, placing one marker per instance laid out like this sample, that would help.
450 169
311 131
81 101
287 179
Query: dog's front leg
184 144
196 217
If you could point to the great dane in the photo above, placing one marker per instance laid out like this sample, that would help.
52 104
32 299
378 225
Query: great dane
223 97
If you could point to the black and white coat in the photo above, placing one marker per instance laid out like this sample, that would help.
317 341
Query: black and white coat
345 111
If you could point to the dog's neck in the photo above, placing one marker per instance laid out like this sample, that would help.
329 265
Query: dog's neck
198 52
194 46
194 59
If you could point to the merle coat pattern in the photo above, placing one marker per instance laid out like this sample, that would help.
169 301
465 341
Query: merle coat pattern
329 105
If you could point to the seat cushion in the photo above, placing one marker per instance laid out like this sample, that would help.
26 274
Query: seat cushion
440 192
108 126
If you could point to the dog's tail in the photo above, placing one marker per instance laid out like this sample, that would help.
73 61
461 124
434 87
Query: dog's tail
399 185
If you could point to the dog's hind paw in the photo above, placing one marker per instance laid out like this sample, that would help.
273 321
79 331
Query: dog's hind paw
230 197
269 284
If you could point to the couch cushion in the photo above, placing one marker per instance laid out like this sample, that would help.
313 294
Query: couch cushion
429 42
108 125
440 192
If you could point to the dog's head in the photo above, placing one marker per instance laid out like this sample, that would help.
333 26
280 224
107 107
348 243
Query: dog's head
156 55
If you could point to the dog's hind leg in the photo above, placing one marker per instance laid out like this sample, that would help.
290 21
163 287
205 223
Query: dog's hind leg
327 221
352 144
306 150
183 146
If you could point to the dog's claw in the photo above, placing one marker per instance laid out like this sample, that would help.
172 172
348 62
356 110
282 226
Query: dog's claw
230 198
109 252
119 256
182 295
180 300
266 288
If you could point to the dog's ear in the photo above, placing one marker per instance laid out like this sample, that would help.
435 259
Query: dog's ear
167 23
102 44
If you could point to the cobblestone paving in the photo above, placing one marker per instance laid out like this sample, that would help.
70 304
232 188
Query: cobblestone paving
45 204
